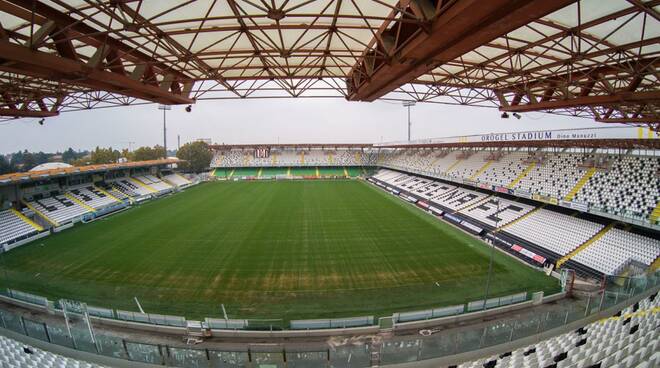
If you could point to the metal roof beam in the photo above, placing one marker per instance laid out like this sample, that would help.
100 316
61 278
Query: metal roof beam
616 98
24 113
449 35
54 67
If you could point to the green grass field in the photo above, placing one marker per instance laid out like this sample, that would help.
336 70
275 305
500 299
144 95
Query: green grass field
285 249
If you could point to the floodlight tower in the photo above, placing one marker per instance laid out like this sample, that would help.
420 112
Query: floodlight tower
164 108
408 104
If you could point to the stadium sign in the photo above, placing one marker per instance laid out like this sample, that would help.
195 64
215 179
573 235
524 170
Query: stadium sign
610 133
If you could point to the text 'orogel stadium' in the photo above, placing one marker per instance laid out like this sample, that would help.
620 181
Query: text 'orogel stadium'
526 250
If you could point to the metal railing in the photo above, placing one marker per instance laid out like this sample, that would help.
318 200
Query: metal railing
347 353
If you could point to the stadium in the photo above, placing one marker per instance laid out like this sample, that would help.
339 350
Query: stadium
535 247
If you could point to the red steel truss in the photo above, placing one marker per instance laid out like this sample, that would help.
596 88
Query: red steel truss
586 58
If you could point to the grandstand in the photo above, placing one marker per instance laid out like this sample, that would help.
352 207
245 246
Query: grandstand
560 209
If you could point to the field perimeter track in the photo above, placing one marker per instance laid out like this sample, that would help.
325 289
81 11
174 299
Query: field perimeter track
280 249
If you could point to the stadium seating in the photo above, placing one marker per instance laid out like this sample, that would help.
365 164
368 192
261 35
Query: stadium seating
154 183
611 252
177 180
459 198
487 212
348 158
130 189
13 228
629 340
505 170
444 161
630 187
290 158
59 208
556 176
92 197
469 166
554 231
18 355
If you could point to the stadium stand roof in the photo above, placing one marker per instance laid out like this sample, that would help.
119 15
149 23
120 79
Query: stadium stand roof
604 137
218 147
50 166
587 58
65 171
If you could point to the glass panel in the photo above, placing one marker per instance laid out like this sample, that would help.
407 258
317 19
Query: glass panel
13 322
307 359
393 352
83 340
228 359
35 329
554 319
111 346
350 357
526 327
469 340
438 345
268 359
59 336
188 358
144 353
497 333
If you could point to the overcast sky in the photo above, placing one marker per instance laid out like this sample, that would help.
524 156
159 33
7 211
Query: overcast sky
265 121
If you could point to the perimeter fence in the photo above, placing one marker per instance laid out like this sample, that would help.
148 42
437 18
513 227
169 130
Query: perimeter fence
347 353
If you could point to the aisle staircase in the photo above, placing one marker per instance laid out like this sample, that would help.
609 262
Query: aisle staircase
453 165
585 178
584 245
302 158
79 202
521 217
346 172
358 158
655 265
481 170
152 190
655 215
40 214
261 169
520 177
27 220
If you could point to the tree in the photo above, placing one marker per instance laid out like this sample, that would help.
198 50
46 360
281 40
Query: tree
196 156
148 153
125 153
5 166
69 155
27 161
104 156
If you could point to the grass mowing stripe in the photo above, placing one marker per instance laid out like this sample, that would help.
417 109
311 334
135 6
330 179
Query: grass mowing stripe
275 249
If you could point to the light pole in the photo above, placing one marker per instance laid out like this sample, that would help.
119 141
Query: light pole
408 104
164 108
492 250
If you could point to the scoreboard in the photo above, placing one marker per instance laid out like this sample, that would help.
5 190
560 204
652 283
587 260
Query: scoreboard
262 152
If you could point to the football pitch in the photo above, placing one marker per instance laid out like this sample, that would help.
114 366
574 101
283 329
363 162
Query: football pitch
268 249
